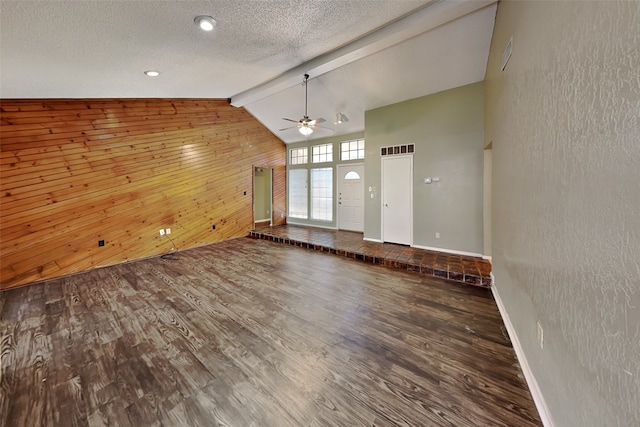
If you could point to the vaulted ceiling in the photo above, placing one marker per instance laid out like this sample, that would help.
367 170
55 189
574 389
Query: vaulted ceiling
360 54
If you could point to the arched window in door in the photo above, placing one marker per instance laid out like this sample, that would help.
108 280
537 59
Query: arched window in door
352 175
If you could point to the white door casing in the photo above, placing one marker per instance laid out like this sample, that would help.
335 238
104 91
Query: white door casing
397 199
351 197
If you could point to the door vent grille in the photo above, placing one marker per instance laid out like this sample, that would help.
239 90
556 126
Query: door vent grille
397 150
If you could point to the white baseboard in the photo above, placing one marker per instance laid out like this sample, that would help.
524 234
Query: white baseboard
536 393
372 240
449 251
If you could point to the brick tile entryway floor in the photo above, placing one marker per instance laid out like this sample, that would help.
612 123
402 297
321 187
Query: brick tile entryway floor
466 269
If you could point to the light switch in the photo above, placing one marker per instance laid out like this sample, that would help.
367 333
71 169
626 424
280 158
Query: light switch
427 180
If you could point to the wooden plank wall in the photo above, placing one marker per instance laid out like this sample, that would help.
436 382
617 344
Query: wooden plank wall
279 191
74 172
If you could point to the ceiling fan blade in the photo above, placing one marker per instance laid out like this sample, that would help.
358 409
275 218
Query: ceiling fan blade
322 127
291 120
291 127
315 121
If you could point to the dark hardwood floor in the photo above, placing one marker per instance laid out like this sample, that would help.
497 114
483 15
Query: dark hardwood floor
248 333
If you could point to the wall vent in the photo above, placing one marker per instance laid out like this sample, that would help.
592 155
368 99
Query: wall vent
397 150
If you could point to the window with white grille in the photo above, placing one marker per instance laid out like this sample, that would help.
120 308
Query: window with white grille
352 150
322 153
298 156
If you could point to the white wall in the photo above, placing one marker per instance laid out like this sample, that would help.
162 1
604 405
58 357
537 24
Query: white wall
564 119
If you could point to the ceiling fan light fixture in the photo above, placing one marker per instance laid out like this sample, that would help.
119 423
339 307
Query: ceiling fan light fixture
306 125
206 23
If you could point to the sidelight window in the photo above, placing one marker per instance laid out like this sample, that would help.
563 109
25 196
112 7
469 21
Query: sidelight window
298 199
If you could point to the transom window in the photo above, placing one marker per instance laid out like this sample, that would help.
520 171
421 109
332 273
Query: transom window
298 156
352 150
322 153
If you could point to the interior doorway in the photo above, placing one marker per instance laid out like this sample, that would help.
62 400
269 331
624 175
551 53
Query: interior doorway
397 199
351 197
262 196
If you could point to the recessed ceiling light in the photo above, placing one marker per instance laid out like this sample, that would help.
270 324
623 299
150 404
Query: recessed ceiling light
152 73
206 23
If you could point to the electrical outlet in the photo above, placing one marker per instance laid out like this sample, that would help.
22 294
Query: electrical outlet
100 242
437 234
540 335
161 231
213 227
168 231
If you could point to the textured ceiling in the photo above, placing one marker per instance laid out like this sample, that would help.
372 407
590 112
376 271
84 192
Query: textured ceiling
100 49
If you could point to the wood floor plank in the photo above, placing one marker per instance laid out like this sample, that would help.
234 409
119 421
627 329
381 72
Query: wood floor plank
248 333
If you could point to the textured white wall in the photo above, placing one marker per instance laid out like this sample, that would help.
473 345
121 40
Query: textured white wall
564 118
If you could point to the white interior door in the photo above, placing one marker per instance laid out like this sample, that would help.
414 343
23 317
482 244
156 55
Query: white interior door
397 199
351 197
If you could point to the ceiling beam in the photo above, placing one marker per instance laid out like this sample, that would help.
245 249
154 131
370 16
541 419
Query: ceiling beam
432 15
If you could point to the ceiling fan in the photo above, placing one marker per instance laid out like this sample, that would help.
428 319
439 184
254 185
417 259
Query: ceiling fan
306 125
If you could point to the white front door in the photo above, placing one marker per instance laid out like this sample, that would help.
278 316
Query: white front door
397 199
351 197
